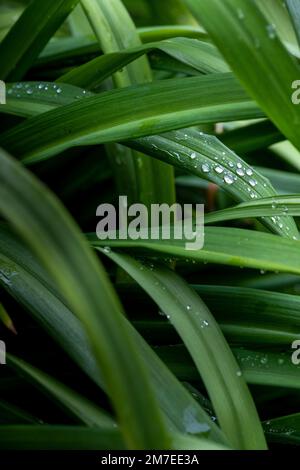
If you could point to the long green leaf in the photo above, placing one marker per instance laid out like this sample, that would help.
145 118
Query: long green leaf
230 246
200 55
28 283
197 327
150 180
27 38
28 99
50 437
205 156
293 7
84 410
284 430
11 414
277 13
197 152
272 316
272 369
6 319
255 53
40 219
158 33
105 118
245 315
272 206
285 182
251 137
82 46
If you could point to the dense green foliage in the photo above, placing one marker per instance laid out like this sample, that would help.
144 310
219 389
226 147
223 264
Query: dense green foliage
143 344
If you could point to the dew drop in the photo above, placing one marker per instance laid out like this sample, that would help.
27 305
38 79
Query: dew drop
249 172
271 30
205 168
252 183
59 91
239 373
193 155
240 14
228 179
219 169
240 172
107 249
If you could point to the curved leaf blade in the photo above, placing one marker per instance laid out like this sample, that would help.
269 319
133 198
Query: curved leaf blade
107 117
197 327
254 51
230 246
201 56
84 284
28 283
84 410
35 26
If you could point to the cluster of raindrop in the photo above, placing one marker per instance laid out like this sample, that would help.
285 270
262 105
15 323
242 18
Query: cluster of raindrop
230 176
259 361
274 428
277 220
23 89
